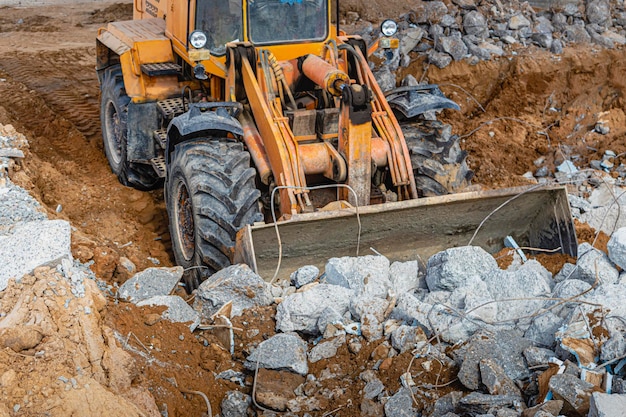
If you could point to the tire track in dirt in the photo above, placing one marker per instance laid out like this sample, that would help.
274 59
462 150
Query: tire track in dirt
66 81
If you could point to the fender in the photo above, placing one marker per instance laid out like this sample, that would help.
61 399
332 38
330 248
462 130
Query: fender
146 55
196 123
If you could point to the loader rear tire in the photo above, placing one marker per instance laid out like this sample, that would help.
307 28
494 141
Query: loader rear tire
439 164
210 195
114 122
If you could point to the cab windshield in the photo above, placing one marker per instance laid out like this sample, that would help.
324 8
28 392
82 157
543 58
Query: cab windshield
278 21
221 21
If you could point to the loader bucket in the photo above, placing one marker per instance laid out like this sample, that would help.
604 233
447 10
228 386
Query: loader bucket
413 229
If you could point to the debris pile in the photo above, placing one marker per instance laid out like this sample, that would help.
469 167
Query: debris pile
479 30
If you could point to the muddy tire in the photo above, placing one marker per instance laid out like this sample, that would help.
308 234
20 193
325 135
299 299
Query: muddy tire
210 194
439 163
114 118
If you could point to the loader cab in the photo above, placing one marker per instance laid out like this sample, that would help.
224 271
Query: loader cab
261 22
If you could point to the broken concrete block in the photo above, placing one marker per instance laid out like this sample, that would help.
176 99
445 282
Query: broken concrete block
283 351
536 356
406 276
504 348
593 262
404 338
574 392
607 405
237 283
366 304
445 404
373 389
301 311
497 382
150 283
235 404
566 290
371 328
453 267
33 244
400 404
304 275
325 350
178 311
543 328
615 347
617 247
478 403
330 323
611 296
529 281
364 274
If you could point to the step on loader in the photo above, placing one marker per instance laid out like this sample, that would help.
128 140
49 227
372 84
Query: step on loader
275 144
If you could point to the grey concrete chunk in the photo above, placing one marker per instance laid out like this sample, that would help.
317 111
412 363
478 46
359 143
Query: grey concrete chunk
477 403
304 275
531 280
445 404
576 34
363 274
301 311
327 349
17 206
551 407
536 356
362 305
453 267
497 382
504 348
400 404
406 276
405 338
329 322
33 244
439 59
283 351
373 389
518 21
235 404
599 12
617 247
411 37
475 23
574 392
150 283
371 327
611 296
454 46
237 283
178 311
543 328
607 405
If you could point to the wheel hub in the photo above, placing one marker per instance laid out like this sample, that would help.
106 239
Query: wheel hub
184 218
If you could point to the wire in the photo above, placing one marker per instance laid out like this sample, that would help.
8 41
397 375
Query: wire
318 187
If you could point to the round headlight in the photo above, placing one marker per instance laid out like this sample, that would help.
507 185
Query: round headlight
197 39
389 27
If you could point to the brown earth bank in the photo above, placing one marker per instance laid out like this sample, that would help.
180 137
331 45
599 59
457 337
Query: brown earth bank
514 110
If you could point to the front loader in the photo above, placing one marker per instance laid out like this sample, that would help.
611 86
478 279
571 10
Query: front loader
261 115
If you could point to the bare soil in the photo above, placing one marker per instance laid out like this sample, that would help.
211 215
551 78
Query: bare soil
514 110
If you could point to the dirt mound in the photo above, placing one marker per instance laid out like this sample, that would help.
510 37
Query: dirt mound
58 357
113 13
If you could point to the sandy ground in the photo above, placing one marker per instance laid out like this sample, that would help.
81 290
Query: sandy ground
532 105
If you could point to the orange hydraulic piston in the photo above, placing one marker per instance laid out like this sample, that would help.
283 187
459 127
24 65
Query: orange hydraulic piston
324 74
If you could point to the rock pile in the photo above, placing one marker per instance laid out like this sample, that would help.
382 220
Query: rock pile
525 342
479 30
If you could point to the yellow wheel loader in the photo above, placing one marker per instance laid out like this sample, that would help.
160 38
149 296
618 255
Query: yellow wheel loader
276 145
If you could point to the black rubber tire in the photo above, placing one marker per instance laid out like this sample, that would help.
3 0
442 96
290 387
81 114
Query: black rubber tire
113 119
210 195
439 164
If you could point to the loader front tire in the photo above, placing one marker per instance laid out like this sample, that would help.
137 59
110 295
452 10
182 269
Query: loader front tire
114 122
439 164
210 195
